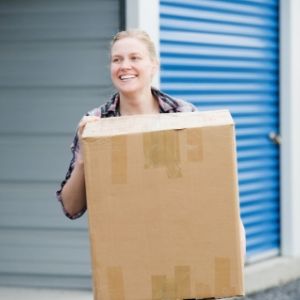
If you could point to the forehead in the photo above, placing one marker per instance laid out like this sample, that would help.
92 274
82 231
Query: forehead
128 45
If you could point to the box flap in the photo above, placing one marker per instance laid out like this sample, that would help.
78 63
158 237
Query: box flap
149 123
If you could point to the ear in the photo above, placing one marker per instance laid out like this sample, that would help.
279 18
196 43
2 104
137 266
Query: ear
155 67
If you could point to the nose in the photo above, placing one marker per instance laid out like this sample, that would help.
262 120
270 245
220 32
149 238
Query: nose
125 64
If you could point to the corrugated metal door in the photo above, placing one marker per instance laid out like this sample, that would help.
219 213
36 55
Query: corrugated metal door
224 54
53 68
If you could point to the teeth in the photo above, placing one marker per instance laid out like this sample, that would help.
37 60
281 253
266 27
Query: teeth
124 77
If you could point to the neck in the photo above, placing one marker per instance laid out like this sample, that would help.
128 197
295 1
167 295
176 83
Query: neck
138 103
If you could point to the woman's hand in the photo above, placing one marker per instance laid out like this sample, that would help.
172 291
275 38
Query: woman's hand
83 122
80 128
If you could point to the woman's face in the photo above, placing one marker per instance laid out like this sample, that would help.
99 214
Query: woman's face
132 68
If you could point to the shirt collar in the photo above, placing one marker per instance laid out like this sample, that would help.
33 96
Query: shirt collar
165 102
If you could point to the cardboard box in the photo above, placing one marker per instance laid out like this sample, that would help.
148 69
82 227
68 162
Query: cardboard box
163 207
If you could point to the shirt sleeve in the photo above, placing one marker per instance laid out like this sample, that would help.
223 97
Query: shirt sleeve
74 150
184 106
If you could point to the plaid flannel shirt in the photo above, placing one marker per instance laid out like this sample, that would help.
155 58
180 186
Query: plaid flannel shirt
167 104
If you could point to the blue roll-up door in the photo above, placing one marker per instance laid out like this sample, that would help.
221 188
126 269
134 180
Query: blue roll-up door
224 54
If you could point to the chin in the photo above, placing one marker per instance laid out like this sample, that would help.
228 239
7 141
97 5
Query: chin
128 90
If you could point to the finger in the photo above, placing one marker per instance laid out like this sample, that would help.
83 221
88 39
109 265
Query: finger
85 120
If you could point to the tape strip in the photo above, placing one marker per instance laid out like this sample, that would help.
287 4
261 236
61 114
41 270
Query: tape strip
163 288
178 287
194 144
161 149
119 159
159 286
172 153
115 283
182 281
170 290
223 276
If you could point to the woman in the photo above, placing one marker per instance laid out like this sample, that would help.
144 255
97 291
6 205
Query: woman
133 65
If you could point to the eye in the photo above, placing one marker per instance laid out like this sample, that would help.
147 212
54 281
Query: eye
116 59
135 58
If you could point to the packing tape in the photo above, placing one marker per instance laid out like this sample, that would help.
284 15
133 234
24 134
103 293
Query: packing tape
115 283
182 281
161 149
159 286
194 144
170 290
223 276
176 288
163 288
119 159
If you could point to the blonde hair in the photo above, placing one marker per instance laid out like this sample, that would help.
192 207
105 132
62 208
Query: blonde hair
141 35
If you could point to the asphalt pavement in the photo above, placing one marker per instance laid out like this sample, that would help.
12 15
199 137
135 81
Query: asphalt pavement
288 291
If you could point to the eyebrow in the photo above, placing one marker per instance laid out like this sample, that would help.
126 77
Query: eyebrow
133 53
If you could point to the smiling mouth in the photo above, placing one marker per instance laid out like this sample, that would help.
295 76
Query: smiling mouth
127 77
